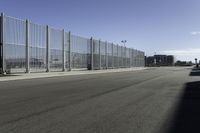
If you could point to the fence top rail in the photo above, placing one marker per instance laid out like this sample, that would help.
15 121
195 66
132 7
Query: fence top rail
6 16
80 37
41 25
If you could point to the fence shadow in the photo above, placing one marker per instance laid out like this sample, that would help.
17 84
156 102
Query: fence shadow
195 72
187 116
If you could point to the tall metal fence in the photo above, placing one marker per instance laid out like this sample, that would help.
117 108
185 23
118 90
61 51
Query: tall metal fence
29 47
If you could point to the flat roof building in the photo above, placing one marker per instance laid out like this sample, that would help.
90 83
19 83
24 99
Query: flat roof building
160 60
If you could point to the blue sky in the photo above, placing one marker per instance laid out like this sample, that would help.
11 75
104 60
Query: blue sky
161 26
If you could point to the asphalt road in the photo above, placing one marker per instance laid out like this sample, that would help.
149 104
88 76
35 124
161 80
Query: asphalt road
157 100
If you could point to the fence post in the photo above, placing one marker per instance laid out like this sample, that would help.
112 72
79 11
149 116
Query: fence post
112 55
63 49
136 58
106 51
99 54
117 56
144 59
122 56
127 59
27 48
131 57
70 53
125 52
48 48
130 51
92 54
121 50
2 44
135 54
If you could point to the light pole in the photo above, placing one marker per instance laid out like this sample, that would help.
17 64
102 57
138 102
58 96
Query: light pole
124 54
196 62
124 42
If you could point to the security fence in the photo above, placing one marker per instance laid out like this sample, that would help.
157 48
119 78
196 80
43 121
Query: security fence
28 47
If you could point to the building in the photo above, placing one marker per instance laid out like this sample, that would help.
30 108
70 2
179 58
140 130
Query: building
183 63
160 60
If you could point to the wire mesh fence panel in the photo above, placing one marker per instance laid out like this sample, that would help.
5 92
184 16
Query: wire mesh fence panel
115 56
140 59
37 45
1 48
137 58
14 44
76 49
120 56
80 52
123 57
131 56
67 52
96 54
109 55
103 54
134 58
56 54
127 57
130 59
143 59
136 64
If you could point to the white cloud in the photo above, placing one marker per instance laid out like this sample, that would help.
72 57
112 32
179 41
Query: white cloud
184 54
194 33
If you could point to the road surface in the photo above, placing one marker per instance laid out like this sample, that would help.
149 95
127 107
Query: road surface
155 100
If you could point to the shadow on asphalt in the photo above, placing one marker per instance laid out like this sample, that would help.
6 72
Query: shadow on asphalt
7 75
187 116
195 72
